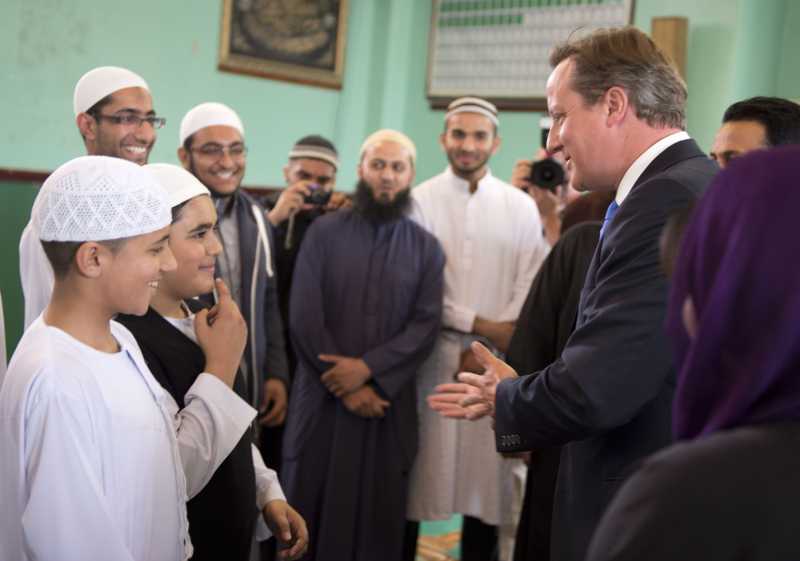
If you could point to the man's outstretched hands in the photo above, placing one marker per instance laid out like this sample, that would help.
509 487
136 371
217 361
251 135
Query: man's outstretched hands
473 397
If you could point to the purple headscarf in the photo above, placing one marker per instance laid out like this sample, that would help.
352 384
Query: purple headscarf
740 263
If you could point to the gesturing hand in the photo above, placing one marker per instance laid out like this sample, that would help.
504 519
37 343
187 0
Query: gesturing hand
472 398
222 334
365 402
346 375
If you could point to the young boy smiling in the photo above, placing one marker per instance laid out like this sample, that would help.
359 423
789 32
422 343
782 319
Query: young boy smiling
96 460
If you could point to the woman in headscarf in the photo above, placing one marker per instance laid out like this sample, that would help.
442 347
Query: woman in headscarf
730 488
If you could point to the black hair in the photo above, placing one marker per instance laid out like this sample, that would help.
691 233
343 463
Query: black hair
95 109
780 117
62 254
317 140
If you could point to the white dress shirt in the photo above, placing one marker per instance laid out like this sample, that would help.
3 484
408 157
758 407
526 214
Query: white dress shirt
96 461
645 159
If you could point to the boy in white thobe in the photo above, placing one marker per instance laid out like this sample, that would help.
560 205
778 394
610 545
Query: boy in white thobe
96 461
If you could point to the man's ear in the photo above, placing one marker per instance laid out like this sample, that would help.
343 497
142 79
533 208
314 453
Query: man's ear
90 259
617 104
183 156
87 125
442 138
495 144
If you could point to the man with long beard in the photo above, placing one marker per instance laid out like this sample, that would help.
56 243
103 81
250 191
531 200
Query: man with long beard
365 309
115 117
492 236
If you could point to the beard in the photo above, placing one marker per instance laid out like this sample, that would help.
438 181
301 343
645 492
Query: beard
214 193
378 210
466 171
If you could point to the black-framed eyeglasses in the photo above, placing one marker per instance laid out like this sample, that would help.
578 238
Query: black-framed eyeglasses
132 120
216 151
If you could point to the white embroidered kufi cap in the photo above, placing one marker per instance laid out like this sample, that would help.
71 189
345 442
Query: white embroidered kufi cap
97 198
473 105
208 115
180 184
100 82
390 135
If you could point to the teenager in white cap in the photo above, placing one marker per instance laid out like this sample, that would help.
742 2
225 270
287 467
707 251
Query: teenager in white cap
212 147
114 115
96 459
223 515
492 236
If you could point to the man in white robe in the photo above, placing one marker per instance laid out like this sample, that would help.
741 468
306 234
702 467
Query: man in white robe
114 115
96 461
492 236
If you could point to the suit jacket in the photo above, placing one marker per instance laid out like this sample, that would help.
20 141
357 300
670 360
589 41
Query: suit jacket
608 398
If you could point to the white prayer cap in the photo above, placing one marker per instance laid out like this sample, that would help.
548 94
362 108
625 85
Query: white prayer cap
97 198
180 184
208 115
389 135
100 82
473 105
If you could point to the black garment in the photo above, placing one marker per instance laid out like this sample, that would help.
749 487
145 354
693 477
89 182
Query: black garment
478 540
374 292
608 398
545 323
223 515
730 496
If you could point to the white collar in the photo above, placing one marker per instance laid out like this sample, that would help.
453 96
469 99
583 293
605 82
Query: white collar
461 182
642 162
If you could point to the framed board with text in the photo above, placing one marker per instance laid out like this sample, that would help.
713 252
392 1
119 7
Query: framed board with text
499 49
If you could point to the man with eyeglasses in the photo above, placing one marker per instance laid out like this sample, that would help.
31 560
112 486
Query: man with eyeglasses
114 114
212 148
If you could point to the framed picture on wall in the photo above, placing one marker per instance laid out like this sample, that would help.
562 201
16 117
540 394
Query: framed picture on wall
298 41
499 49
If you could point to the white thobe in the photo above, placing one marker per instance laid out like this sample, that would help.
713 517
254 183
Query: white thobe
35 274
96 461
493 242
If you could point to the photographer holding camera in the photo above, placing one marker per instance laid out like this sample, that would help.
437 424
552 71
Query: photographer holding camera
547 181
310 177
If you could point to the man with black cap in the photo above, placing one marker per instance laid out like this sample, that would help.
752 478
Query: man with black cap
310 177
115 117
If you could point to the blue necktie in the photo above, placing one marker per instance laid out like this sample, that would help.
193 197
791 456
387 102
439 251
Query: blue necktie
610 212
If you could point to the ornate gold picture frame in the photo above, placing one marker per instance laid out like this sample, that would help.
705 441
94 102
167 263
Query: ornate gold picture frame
299 41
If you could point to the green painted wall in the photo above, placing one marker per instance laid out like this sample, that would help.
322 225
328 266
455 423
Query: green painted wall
736 48
15 202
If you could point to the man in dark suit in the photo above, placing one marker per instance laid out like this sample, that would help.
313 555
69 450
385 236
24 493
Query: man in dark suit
618 110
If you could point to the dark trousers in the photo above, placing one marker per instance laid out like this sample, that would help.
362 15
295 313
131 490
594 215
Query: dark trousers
478 540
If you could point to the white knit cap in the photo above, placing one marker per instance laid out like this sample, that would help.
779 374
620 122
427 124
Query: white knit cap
473 105
100 82
180 184
208 115
96 198
389 135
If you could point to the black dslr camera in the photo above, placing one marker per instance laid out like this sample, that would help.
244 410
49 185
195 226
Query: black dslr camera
318 196
548 173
